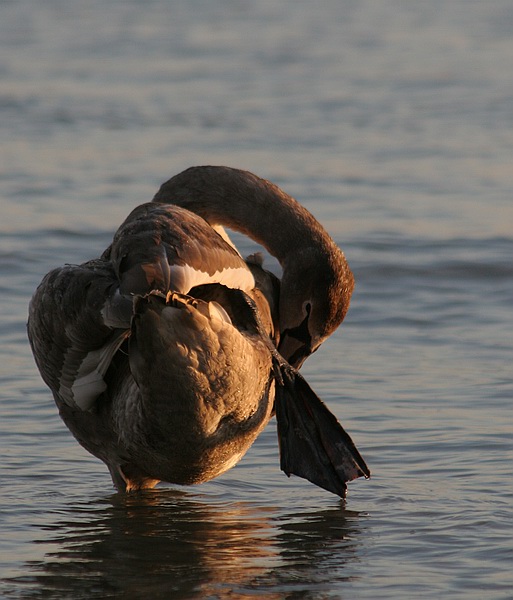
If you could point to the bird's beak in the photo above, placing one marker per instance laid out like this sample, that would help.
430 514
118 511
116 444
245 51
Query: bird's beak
294 351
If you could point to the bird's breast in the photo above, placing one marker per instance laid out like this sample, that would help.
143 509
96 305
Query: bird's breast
195 370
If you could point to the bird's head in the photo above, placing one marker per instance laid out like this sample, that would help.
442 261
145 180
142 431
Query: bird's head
314 299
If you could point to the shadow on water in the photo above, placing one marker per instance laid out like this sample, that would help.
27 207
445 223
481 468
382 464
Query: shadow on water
167 543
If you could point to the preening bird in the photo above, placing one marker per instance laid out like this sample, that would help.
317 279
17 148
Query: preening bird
169 353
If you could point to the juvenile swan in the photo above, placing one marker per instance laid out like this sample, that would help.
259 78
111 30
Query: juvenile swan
169 353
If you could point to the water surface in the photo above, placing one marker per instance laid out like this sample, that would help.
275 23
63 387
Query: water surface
393 123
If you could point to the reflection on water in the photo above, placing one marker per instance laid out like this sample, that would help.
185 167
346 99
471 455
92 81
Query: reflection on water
167 542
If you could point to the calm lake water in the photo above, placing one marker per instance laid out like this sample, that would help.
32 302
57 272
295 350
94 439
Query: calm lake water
393 123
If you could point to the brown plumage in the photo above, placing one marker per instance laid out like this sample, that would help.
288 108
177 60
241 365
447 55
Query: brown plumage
162 354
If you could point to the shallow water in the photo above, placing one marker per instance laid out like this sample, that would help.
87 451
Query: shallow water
393 123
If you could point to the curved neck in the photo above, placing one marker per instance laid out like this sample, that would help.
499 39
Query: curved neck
317 282
253 206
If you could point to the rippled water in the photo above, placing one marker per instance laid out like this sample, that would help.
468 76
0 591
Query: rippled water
393 123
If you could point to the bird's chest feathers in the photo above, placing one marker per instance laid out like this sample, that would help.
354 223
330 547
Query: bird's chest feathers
196 369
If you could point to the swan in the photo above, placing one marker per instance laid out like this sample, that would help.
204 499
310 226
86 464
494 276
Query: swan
170 353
